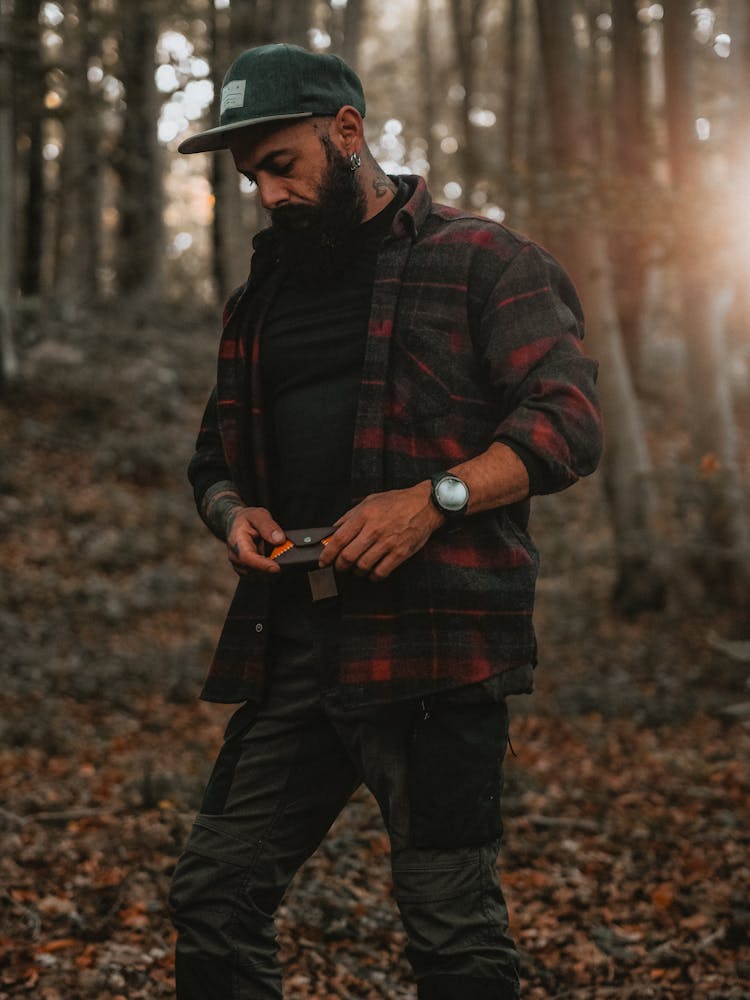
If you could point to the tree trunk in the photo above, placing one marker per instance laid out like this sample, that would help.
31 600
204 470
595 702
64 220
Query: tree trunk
582 246
80 202
291 21
512 101
233 32
8 360
466 18
426 80
32 248
29 89
705 281
354 17
679 47
530 120
739 155
140 262
627 246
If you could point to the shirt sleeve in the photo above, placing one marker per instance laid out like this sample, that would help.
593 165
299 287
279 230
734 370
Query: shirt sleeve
207 466
531 332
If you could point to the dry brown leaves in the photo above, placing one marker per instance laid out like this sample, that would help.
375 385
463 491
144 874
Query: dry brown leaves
626 857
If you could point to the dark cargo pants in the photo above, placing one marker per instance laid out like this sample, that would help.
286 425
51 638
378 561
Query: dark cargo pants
284 773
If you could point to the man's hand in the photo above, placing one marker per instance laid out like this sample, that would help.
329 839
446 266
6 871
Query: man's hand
382 531
244 528
247 529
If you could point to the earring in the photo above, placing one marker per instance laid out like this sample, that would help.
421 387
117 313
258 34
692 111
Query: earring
354 162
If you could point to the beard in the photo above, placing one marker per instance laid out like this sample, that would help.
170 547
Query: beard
316 241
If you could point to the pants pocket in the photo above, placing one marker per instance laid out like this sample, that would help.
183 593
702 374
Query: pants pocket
454 774
219 784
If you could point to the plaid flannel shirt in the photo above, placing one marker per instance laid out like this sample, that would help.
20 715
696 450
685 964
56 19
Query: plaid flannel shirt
474 336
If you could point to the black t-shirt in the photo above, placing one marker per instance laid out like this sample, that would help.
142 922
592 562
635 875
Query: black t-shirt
312 350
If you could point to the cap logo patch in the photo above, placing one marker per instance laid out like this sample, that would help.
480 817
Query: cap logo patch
232 95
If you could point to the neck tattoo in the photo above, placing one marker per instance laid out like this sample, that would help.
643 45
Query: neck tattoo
382 186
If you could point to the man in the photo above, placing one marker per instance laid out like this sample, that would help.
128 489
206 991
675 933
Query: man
404 375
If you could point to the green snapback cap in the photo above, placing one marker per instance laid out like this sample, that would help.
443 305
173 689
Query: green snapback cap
277 82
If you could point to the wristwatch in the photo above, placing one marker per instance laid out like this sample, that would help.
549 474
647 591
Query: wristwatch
449 495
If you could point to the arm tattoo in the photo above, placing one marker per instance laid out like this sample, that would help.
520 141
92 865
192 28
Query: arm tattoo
381 185
219 506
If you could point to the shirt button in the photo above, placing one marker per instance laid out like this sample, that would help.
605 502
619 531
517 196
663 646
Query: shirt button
259 627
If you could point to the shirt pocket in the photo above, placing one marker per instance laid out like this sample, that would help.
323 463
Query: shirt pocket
435 376
419 393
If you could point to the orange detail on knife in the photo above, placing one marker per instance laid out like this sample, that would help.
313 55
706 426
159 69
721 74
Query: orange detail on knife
281 549
285 546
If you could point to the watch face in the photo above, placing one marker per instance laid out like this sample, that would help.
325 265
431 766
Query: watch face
452 493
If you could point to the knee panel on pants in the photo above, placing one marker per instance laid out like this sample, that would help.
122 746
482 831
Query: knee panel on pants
454 912
430 876
450 901
226 946
201 903
214 897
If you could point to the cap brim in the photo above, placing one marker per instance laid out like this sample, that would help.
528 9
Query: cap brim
216 138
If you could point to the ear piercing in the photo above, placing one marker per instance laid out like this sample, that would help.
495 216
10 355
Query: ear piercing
354 162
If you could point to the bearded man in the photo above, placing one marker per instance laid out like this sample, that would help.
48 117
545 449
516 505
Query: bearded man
395 380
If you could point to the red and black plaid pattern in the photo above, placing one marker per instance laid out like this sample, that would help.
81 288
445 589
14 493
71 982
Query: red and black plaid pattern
475 336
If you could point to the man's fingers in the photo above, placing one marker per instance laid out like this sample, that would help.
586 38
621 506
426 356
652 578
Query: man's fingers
257 521
370 556
384 567
251 527
341 537
377 535
351 555
249 562
244 555
364 552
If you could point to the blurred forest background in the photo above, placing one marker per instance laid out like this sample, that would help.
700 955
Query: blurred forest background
615 132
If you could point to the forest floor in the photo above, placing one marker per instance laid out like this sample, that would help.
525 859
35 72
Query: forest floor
625 864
